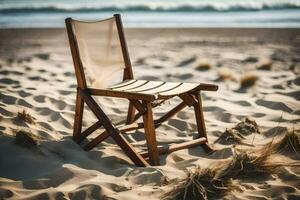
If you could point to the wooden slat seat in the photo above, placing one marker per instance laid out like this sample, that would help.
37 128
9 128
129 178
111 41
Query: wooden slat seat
159 89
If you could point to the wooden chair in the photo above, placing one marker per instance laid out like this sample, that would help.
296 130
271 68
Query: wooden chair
140 93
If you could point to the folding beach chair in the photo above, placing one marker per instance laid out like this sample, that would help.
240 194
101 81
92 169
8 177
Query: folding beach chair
99 48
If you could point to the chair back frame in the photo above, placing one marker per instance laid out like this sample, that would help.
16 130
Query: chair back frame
79 70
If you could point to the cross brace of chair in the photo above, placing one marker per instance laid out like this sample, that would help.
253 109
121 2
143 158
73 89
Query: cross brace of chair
144 109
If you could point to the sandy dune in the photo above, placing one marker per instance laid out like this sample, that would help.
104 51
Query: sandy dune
36 75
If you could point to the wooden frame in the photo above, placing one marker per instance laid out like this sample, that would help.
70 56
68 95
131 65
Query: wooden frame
139 101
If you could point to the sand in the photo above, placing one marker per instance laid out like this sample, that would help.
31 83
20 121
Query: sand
36 75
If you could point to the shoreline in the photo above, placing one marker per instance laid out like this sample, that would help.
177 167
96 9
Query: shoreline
28 38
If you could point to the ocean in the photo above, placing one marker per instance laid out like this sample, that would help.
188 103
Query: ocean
153 13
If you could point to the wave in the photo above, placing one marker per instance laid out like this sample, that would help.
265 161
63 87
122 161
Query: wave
199 7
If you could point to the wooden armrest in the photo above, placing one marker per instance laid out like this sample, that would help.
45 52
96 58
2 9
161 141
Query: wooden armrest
207 87
121 94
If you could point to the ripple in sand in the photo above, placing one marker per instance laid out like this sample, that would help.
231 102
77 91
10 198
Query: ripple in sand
187 61
258 115
274 105
37 78
275 131
243 103
224 117
297 81
179 124
53 180
24 103
69 74
58 103
146 176
65 92
39 98
43 56
8 81
22 93
45 126
183 76
10 100
148 77
6 72
4 112
87 190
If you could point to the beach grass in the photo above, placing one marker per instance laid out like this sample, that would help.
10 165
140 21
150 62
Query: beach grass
200 184
237 134
215 183
26 117
248 80
248 164
289 144
203 66
225 74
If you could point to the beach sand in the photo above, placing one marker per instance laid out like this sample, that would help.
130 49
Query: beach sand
257 71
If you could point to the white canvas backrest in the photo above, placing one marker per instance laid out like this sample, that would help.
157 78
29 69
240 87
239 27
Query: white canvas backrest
100 51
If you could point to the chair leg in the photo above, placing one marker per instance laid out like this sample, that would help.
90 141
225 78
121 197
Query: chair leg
200 121
199 116
150 134
113 132
131 113
78 118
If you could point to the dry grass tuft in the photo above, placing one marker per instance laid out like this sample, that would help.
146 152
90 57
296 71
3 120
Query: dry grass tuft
25 139
247 127
200 184
225 74
246 164
237 133
215 183
230 136
267 65
289 144
203 66
26 117
248 80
